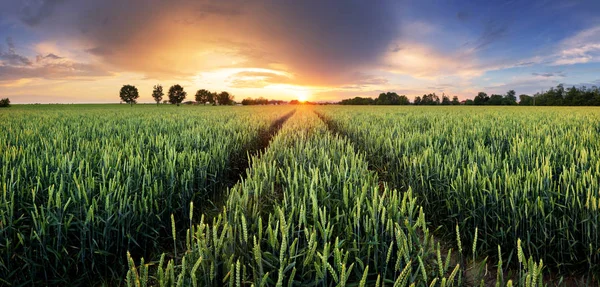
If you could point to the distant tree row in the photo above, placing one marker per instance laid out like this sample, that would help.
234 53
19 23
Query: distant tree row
389 98
560 96
509 99
129 94
433 99
206 97
261 101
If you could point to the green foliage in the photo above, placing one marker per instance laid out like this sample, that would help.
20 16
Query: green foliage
157 94
82 185
510 173
559 96
204 96
389 98
4 103
224 99
176 94
311 213
129 94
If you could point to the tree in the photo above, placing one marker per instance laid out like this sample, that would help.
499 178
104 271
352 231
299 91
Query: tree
224 98
417 100
446 100
525 100
510 98
158 94
358 101
204 96
430 99
481 99
176 94
259 101
129 94
4 103
455 101
495 100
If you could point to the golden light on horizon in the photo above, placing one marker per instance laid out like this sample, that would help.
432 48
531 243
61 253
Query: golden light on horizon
303 96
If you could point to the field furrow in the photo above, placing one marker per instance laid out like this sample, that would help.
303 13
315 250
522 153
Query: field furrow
311 213
80 188
508 174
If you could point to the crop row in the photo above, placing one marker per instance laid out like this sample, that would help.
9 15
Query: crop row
511 173
311 213
78 189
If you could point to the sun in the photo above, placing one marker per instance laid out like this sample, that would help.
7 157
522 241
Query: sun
302 96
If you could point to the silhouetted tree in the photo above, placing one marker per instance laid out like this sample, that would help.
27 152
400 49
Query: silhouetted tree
4 103
158 94
358 101
391 98
455 101
510 98
469 102
204 96
417 100
403 100
294 102
176 94
430 99
224 98
445 100
129 94
525 100
259 101
481 99
495 100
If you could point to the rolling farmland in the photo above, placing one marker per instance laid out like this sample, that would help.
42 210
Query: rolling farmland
329 196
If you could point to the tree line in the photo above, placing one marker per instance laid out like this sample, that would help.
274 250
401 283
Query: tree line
4 103
389 98
558 96
261 101
129 94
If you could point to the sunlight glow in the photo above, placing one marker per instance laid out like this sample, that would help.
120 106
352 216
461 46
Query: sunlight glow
302 95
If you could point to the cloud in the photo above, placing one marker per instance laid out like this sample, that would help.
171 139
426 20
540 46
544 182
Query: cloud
582 47
320 42
50 56
492 32
15 68
425 62
11 57
550 75
34 12
250 79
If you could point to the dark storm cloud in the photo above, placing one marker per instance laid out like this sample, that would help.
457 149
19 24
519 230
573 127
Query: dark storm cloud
333 36
34 12
321 42
11 57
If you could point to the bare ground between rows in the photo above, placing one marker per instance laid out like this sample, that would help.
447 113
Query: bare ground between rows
212 205
240 163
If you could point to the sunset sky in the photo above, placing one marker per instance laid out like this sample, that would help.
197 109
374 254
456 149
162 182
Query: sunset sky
73 51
